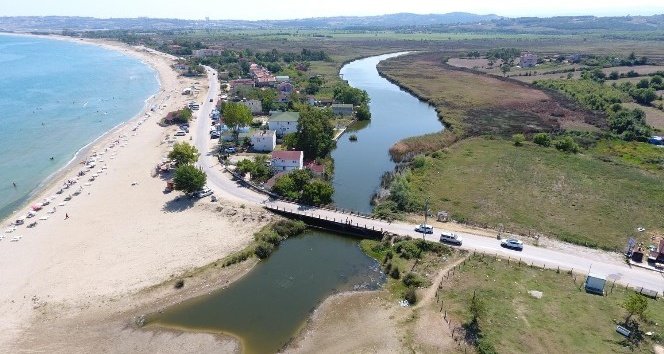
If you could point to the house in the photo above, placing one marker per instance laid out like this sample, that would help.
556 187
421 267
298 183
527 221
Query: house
264 140
342 109
311 100
240 84
223 75
283 98
317 169
594 285
287 160
527 60
286 87
281 79
255 106
283 122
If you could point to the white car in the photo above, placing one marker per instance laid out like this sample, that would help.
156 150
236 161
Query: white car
424 228
180 133
203 192
513 244
450 237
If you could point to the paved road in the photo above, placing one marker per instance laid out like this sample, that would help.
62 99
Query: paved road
582 261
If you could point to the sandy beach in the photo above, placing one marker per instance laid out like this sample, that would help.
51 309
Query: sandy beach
72 282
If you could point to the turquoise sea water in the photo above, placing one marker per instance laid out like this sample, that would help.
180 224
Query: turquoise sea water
56 97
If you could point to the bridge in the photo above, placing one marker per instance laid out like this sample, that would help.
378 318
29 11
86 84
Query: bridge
557 256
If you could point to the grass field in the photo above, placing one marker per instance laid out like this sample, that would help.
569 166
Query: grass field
564 320
577 198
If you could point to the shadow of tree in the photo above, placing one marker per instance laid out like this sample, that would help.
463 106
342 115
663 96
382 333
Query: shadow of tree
179 204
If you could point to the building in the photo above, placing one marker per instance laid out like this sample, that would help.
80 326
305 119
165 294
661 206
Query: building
240 84
255 106
264 140
287 160
527 60
223 75
283 122
317 169
594 285
201 53
342 109
286 87
281 79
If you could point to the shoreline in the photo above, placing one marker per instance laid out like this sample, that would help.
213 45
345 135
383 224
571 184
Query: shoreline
49 181
71 283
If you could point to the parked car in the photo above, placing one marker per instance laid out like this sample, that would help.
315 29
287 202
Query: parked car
214 135
424 228
203 192
230 150
512 243
450 237
180 133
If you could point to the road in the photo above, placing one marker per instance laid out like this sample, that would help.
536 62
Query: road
582 261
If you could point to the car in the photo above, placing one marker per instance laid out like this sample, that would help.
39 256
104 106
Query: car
214 135
230 150
180 133
424 228
512 243
203 192
211 100
450 237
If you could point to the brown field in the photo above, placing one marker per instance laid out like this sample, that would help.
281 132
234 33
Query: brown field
654 116
474 104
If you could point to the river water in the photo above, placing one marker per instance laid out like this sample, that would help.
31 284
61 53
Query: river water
272 302
395 115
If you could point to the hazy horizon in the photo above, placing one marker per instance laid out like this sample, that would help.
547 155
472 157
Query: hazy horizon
298 9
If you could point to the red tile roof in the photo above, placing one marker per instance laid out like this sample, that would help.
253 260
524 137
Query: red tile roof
287 155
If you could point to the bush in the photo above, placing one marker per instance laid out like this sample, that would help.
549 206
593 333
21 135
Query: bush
289 228
567 144
419 161
413 280
518 139
268 236
263 250
410 295
542 139
394 273
407 249
179 284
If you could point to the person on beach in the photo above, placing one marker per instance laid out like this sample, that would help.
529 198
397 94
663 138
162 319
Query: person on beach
66 216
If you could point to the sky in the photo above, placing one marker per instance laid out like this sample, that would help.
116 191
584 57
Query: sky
291 9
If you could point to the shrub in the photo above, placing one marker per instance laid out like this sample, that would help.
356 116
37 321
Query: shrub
419 161
263 250
518 139
410 295
268 236
179 284
542 139
395 274
413 280
567 144
288 228
407 249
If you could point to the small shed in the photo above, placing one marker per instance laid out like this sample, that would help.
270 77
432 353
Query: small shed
595 285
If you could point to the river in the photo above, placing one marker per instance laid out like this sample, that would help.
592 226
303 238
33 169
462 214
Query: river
395 115
272 302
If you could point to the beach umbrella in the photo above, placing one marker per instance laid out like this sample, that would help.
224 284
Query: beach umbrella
37 206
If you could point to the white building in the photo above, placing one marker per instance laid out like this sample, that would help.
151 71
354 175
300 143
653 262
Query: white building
200 53
255 106
287 160
264 140
342 109
283 122
527 60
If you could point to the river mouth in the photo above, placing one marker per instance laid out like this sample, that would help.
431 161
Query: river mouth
267 306
270 304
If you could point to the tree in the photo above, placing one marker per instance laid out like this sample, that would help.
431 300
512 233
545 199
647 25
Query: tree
180 117
614 75
635 304
183 153
236 115
285 187
317 192
345 94
542 139
518 139
643 83
363 112
257 168
505 68
189 178
315 132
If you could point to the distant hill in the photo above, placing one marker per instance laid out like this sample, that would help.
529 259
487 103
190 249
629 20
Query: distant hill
58 23
455 21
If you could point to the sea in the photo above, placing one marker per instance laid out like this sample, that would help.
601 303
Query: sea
56 97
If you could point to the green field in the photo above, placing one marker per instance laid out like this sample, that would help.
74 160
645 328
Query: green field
565 320
578 198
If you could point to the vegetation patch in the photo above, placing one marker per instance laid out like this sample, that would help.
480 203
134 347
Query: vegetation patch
490 299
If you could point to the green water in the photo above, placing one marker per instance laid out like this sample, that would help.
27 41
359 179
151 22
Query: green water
268 306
